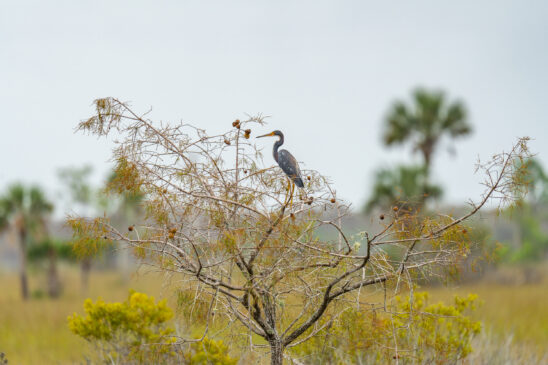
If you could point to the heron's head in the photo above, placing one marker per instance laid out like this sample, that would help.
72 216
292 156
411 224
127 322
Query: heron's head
272 134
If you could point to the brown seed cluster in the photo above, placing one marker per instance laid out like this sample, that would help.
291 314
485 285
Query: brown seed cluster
227 142
236 123
247 133
172 232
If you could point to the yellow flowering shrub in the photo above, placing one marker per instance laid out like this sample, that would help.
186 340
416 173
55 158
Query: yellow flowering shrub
440 333
209 352
410 330
134 331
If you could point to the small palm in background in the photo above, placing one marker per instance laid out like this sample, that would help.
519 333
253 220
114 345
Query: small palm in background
404 187
24 209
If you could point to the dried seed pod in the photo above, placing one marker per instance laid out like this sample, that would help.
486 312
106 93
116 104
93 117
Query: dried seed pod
227 142
245 171
308 178
247 133
381 217
130 228
236 123
292 216
395 209
171 236
333 200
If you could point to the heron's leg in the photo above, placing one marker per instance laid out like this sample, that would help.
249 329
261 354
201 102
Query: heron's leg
287 190
291 194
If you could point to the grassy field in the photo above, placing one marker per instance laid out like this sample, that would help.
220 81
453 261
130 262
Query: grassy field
518 310
36 332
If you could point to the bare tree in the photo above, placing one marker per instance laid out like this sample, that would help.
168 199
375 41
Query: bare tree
222 221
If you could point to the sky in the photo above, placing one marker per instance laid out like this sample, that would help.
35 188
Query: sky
325 72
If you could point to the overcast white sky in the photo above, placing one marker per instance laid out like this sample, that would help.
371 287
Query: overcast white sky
325 71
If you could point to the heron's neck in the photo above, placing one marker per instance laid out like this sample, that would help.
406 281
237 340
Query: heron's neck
277 145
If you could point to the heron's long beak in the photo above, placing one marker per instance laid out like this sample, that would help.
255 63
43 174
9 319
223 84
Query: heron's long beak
266 135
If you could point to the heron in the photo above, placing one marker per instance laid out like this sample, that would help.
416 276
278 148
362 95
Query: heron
286 161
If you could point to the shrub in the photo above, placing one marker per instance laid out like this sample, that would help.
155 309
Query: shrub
209 352
410 330
134 331
436 333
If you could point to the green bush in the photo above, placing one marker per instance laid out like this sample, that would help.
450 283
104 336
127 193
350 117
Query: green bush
209 352
136 332
437 333
410 330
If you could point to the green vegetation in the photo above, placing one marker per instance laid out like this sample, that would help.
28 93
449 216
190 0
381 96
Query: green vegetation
427 333
530 236
404 187
136 331
208 352
133 331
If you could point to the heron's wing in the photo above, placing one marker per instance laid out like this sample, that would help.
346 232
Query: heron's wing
290 166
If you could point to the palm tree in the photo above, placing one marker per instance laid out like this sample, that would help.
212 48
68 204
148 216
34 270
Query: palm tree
425 122
405 187
24 209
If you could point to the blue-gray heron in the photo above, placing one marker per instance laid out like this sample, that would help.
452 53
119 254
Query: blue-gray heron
286 161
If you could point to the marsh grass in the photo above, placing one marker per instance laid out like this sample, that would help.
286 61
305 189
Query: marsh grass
519 311
515 318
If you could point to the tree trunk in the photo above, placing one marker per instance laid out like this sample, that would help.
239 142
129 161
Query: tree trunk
427 150
54 285
276 353
23 267
85 268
